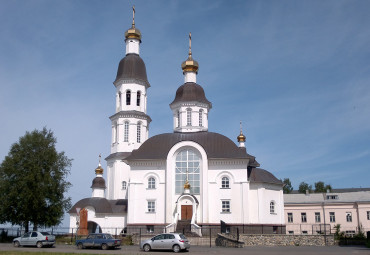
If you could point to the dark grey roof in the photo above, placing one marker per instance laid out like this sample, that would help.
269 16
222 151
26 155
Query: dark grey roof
101 205
259 175
191 92
120 155
98 182
131 114
132 69
217 146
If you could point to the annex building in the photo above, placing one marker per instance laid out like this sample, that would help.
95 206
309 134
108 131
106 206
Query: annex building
191 178
319 213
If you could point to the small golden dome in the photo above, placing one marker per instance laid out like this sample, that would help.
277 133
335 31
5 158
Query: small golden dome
99 170
133 33
241 137
190 65
187 185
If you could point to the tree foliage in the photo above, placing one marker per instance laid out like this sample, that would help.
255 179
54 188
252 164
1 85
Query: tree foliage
288 188
320 187
303 187
33 181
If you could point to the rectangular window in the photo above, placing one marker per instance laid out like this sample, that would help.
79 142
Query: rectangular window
317 217
368 215
290 217
332 197
332 216
304 232
138 133
303 217
291 232
188 117
349 216
149 228
350 233
125 134
151 206
201 118
225 206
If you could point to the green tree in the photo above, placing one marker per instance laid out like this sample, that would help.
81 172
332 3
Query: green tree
303 187
320 187
287 186
33 182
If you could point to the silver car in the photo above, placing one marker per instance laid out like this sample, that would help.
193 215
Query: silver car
35 238
170 241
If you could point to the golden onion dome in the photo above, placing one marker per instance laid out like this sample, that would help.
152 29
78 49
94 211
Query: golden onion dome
190 65
241 137
99 170
187 185
133 32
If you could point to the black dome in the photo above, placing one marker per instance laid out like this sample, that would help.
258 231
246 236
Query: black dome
190 92
132 68
98 182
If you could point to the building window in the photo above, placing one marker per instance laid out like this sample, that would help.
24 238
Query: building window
125 132
225 206
272 207
138 95
149 228
349 217
128 97
138 137
187 167
303 217
332 216
225 184
291 232
368 215
151 206
350 233
151 183
188 117
178 118
317 217
201 118
290 217
124 185
332 197
304 232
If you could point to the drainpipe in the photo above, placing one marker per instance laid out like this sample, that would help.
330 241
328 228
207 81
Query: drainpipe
358 217
323 209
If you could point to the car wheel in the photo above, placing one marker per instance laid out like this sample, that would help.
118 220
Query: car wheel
17 244
80 246
39 244
146 247
176 248
104 246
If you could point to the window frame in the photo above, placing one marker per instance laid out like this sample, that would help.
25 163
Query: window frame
290 217
151 183
225 182
272 207
138 98
128 97
303 217
188 117
126 131
151 206
201 117
138 132
332 216
124 185
349 216
317 217
225 206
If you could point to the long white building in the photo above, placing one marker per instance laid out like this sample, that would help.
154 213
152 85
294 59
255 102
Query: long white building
191 178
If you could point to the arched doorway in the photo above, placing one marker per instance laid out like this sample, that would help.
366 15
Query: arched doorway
93 227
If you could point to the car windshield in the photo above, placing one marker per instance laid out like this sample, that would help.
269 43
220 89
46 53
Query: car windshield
45 233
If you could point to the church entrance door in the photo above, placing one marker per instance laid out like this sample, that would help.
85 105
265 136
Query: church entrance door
186 212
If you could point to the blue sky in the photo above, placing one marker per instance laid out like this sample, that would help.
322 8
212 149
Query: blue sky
296 73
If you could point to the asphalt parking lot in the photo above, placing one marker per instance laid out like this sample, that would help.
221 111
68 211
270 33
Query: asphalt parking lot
200 250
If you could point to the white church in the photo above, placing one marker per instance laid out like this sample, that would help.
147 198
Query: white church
189 179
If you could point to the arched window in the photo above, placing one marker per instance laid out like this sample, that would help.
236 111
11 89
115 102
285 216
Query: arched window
128 97
187 167
188 117
225 184
138 133
138 98
151 183
178 118
272 207
124 185
201 118
125 133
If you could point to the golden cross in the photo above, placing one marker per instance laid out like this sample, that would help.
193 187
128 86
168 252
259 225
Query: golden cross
189 44
133 16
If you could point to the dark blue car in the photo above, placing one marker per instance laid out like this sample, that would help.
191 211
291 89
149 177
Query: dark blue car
103 241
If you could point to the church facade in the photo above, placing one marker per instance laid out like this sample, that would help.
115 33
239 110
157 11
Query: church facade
191 177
